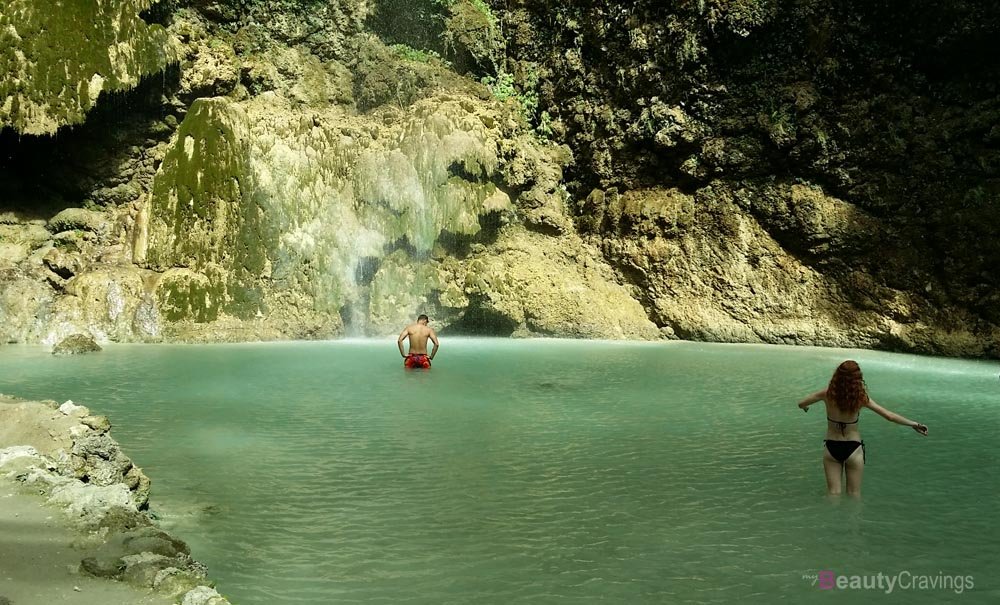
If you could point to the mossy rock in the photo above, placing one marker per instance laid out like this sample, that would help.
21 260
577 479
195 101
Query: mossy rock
206 215
72 219
472 37
11 254
30 235
119 194
548 286
57 61
176 582
182 294
76 344
103 567
384 76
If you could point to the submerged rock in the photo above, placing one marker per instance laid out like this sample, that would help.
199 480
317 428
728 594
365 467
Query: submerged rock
76 344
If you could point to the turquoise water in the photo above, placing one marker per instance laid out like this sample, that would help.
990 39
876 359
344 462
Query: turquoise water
544 471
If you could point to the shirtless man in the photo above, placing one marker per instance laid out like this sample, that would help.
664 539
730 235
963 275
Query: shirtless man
418 334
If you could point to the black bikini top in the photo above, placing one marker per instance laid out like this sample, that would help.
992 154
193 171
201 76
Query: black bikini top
843 425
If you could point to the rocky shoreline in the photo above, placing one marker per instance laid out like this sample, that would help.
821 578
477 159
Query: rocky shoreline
63 476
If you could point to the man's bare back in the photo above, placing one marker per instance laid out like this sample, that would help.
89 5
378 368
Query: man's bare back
418 334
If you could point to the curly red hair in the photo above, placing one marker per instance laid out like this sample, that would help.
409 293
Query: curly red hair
847 388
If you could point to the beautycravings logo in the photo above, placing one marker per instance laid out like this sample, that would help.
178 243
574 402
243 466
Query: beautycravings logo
887 583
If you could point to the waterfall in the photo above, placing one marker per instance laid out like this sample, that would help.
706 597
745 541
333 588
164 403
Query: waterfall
323 217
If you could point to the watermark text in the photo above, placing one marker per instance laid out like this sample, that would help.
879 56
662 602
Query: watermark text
903 580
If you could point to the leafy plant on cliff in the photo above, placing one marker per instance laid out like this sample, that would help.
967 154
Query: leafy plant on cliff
409 53
502 86
738 16
505 86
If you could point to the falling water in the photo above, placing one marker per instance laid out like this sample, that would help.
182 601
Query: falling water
363 216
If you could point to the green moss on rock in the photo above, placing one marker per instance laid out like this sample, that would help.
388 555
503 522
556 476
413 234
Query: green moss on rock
203 211
57 60
182 294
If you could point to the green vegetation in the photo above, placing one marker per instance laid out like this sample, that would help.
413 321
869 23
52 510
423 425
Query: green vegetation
544 128
502 86
505 87
479 5
486 11
409 53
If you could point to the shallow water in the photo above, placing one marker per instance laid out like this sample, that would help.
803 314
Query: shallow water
544 471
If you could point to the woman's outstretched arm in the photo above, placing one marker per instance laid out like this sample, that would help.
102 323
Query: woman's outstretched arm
894 417
808 401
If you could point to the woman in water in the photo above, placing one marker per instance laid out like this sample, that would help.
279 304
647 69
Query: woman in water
845 451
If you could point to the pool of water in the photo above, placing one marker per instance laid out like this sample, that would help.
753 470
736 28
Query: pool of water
545 471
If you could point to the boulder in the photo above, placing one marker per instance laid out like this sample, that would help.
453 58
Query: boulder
203 595
174 581
62 263
100 424
103 567
68 408
76 344
81 219
530 284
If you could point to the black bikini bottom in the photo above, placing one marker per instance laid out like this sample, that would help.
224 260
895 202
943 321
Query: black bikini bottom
842 450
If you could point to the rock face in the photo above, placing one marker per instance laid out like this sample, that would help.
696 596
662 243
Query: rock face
776 175
717 170
754 284
55 64
289 220
547 286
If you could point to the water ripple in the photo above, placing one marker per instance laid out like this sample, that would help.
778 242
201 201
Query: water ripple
525 472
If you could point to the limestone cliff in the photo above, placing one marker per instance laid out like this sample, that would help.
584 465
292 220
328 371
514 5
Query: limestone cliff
56 61
809 173
310 192
315 219
717 170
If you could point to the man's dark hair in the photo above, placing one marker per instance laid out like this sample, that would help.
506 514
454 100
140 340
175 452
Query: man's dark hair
422 316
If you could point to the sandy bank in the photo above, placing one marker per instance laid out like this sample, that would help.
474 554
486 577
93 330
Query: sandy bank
72 522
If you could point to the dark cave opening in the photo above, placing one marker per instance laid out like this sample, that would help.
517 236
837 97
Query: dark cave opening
83 164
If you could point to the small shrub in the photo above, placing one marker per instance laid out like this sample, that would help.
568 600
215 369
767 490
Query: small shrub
409 53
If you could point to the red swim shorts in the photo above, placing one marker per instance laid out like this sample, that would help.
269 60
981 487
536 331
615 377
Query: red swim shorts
417 360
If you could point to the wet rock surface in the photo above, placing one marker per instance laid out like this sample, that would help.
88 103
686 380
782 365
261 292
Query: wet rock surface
76 344
102 47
